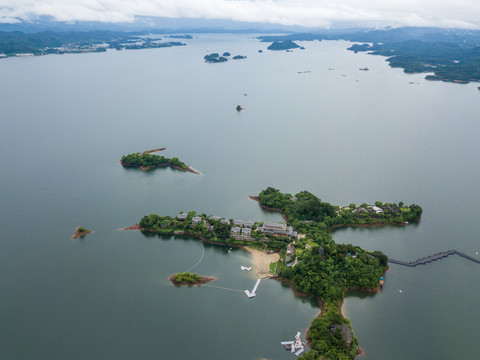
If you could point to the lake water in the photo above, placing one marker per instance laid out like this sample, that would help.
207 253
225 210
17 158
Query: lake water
344 134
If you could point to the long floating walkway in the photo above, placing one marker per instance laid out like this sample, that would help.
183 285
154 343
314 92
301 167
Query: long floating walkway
252 293
434 257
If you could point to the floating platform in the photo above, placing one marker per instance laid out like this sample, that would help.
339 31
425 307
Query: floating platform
296 346
246 268
253 292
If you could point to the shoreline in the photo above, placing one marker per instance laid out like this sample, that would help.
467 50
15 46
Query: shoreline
257 199
261 261
146 168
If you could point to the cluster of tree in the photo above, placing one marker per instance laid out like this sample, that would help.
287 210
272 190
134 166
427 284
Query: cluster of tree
186 277
307 213
304 206
327 273
150 160
327 341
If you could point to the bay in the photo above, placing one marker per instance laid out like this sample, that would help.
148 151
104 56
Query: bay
366 136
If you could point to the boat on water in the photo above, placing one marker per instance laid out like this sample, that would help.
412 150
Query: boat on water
381 280
246 268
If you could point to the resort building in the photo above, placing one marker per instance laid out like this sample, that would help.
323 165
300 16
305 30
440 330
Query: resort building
246 231
248 223
277 229
238 222
182 216
216 218
196 220
225 221
235 230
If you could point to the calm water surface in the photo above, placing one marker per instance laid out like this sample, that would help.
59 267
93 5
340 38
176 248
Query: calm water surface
343 134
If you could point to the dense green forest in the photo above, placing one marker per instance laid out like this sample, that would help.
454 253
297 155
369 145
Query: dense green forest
149 161
186 277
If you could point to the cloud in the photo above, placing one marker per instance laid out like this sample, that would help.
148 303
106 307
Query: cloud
309 13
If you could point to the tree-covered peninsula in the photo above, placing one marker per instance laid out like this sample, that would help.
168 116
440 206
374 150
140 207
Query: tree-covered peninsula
147 161
311 262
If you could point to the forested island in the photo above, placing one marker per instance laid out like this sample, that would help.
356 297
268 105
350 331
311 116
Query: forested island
310 260
80 231
283 45
216 58
147 161
189 279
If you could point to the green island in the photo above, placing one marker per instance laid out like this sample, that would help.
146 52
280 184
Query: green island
310 260
189 279
80 231
283 45
214 58
147 161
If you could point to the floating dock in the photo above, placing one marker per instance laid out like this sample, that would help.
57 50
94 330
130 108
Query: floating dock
246 268
293 345
253 292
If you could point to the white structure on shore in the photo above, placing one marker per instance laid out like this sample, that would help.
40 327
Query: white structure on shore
253 292
277 229
294 345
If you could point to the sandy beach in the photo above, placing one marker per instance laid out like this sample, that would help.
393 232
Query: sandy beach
261 261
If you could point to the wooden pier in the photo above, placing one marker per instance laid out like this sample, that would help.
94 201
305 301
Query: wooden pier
435 257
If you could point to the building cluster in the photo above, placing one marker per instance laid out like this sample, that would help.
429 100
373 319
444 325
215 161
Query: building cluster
242 230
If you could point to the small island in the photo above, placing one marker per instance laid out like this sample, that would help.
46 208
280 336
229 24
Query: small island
80 231
283 45
239 108
239 57
214 58
147 161
189 279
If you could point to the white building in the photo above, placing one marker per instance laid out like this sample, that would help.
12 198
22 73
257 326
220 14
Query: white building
277 228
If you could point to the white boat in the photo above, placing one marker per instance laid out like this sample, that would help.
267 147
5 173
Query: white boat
246 268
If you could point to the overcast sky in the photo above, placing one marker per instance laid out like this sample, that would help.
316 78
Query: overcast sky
309 13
